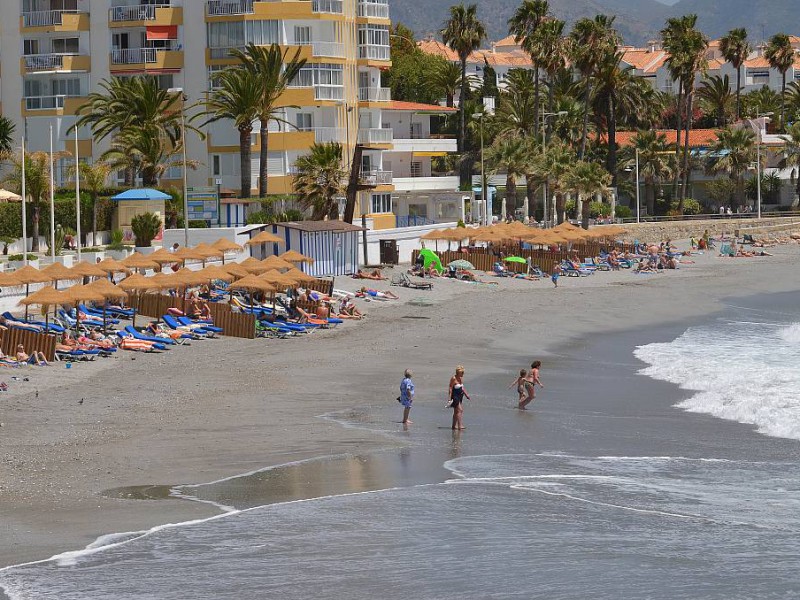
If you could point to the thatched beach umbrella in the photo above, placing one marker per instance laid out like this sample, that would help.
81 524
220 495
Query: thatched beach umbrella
299 276
46 297
227 246
236 270
137 261
111 266
253 266
109 292
28 275
86 269
79 294
164 257
293 256
265 237
251 284
184 254
58 272
274 262
137 283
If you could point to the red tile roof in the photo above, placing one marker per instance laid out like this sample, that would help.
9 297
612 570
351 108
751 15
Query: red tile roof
698 138
511 58
643 59
437 48
757 63
417 107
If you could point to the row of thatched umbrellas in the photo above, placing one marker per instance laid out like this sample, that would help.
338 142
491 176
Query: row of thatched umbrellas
517 232
252 275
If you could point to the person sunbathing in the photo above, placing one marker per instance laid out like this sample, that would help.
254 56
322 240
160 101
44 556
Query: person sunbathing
348 310
387 295
375 275
128 342
89 342
37 358
5 323
465 275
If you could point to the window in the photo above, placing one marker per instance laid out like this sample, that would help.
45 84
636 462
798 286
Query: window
302 35
216 168
66 87
65 45
373 42
30 47
233 34
381 203
305 121
262 33
416 168
366 163
759 77
213 76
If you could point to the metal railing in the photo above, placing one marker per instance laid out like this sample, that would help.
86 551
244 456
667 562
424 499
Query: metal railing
373 52
375 136
219 53
373 9
334 49
323 135
335 7
44 62
375 94
135 12
772 214
324 92
45 18
376 177
44 102
413 221
216 8
132 56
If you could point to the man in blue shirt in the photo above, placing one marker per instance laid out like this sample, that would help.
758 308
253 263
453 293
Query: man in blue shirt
406 395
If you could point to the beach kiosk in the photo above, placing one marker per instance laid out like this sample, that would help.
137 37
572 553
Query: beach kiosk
136 202
332 244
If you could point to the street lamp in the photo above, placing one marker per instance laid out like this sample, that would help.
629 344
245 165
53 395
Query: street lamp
755 123
546 116
178 90
486 208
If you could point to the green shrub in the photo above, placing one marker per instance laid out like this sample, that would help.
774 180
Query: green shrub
623 212
690 207
145 226
198 224
599 209
461 223
263 216
117 237
20 257
60 239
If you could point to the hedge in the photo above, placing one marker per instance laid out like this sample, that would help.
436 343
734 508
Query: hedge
65 213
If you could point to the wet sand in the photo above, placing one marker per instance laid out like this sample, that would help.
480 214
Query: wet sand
224 407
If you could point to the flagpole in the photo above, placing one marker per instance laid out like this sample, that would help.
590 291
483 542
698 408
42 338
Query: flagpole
24 208
52 200
78 195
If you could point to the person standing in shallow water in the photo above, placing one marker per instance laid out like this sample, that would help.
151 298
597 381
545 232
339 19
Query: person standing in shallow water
457 394
406 395
531 381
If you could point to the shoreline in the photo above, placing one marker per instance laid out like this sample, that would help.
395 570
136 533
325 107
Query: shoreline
219 443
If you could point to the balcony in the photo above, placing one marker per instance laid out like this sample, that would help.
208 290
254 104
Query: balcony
223 53
418 184
373 10
427 145
154 58
68 104
375 94
324 135
333 7
324 92
375 136
42 63
146 14
327 49
222 8
375 178
60 20
373 52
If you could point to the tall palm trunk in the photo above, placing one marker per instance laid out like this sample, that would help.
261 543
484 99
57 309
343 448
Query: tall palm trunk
530 191
738 91
462 128
94 219
245 158
650 196
511 193
611 162
262 165
536 95
587 94
351 195
37 212
561 206
551 103
678 131
783 100
685 181
586 210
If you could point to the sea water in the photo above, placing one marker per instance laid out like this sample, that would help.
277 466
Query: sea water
613 487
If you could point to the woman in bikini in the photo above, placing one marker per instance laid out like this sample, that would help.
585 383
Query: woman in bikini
531 381
457 395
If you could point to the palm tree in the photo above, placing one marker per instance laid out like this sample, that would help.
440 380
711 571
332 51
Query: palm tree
508 154
657 162
591 40
463 33
716 96
237 97
760 101
93 180
735 49
524 26
37 185
791 153
587 179
516 105
320 180
274 70
732 154
550 37
552 166
6 135
780 55
446 80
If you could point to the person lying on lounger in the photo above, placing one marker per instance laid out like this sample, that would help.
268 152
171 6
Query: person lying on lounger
6 323
37 358
388 295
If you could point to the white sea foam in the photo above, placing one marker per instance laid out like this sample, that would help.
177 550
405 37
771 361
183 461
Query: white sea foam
740 371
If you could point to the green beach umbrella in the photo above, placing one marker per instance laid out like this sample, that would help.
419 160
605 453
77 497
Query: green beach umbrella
430 258
516 259
461 264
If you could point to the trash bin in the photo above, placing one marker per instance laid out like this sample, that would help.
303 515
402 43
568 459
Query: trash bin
389 252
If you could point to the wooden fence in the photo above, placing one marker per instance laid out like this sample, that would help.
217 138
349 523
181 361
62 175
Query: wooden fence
30 340
323 286
234 324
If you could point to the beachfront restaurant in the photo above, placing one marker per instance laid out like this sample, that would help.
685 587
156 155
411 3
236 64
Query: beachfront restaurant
332 244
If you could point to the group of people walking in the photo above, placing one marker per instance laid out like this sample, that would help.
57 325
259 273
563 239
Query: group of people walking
526 388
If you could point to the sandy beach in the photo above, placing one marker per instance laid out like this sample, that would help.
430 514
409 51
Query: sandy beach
224 407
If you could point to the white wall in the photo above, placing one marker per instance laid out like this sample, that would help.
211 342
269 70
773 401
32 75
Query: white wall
209 236
407 241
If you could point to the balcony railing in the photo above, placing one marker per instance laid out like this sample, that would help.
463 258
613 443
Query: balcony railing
372 52
375 94
375 136
44 102
324 92
333 49
376 177
44 62
335 7
45 18
133 56
413 221
374 10
324 135
135 12
217 8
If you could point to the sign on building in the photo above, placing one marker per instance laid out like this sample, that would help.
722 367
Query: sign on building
203 204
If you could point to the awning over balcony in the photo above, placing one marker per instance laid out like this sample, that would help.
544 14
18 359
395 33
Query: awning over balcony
162 32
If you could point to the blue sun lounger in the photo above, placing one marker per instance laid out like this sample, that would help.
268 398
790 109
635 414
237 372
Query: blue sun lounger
207 326
148 338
